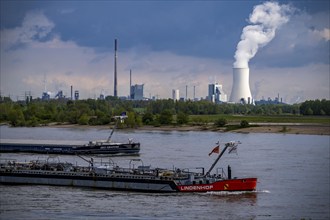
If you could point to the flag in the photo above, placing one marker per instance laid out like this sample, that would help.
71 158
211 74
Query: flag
215 150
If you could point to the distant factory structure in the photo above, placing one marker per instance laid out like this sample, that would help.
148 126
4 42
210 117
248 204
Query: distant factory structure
277 100
102 96
45 96
216 93
76 95
137 92
59 95
175 94
240 92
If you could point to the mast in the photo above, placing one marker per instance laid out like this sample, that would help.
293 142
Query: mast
91 162
122 117
112 131
229 144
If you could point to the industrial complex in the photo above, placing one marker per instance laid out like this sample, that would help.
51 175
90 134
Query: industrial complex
240 92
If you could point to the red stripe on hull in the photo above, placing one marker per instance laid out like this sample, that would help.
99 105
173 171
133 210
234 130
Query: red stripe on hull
246 184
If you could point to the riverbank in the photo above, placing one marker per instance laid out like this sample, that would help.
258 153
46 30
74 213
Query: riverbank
288 129
285 128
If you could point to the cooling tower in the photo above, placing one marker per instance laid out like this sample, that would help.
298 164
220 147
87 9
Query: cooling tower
240 92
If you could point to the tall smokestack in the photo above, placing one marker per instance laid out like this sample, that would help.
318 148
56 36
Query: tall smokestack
115 74
194 93
130 83
71 93
241 89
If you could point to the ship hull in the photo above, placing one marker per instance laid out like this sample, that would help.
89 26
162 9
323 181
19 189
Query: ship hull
122 183
130 148
245 184
113 183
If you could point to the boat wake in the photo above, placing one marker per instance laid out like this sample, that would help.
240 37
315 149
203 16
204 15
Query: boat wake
226 193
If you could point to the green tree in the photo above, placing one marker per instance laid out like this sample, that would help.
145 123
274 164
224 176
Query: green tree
309 111
83 120
198 120
73 116
165 117
5 108
244 124
221 122
182 118
130 121
61 116
148 118
16 117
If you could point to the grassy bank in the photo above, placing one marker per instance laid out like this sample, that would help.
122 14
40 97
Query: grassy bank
263 119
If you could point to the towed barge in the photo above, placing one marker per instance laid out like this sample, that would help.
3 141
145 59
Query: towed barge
111 176
72 147
68 147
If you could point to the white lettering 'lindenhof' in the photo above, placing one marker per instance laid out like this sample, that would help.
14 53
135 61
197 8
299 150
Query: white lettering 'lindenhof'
196 188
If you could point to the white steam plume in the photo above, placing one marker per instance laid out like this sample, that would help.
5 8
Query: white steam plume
265 19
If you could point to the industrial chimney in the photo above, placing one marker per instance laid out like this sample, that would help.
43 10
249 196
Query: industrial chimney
115 72
130 84
240 92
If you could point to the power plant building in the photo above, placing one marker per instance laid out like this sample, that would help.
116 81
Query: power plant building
137 92
175 94
76 95
216 93
59 95
45 96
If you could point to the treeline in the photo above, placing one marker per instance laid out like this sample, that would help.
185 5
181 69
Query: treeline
317 107
160 112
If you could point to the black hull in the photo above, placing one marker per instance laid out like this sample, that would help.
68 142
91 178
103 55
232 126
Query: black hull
91 181
131 148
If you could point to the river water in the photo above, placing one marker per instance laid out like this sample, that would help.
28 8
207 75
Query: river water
292 170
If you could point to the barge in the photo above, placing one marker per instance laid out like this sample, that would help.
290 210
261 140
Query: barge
68 147
71 147
133 178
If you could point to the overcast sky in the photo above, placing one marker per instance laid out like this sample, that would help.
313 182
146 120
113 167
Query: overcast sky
166 44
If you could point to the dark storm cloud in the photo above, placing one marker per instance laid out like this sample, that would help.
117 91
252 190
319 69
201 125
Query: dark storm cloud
166 43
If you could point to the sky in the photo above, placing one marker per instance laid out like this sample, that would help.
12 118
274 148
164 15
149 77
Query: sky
166 44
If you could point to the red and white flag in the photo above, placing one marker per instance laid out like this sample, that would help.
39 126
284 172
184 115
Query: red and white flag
215 150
